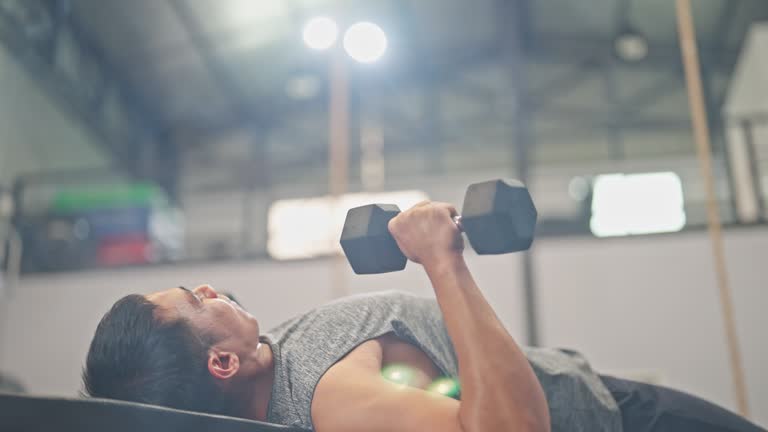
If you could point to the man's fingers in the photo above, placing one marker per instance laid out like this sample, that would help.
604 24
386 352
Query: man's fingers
437 204
451 209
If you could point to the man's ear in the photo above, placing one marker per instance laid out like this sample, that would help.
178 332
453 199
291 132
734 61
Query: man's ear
223 365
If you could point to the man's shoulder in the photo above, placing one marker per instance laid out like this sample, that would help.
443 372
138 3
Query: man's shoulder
384 295
381 300
349 311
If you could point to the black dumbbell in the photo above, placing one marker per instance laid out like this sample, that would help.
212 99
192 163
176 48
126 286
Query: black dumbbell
498 217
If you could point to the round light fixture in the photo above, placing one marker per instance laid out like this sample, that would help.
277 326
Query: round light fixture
631 46
365 42
320 33
578 188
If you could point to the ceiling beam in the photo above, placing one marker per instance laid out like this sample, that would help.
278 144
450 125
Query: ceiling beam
725 22
544 94
665 55
243 109
205 51
650 95
81 91
560 50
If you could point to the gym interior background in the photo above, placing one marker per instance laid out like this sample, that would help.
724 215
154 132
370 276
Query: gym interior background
146 144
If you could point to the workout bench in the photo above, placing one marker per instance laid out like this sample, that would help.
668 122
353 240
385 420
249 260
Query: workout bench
22 413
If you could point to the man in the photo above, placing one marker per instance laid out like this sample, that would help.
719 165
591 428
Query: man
198 350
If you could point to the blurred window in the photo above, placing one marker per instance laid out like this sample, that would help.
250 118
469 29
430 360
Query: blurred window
637 204
310 227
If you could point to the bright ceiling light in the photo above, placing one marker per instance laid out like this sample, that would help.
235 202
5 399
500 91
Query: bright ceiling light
578 188
365 42
320 33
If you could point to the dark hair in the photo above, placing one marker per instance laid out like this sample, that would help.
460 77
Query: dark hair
136 356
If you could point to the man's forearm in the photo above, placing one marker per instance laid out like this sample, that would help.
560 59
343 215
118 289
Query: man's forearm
499 389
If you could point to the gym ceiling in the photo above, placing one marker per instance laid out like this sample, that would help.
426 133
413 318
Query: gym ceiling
201 70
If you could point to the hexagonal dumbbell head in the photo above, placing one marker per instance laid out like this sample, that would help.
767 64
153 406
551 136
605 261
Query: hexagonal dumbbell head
366 240
498 217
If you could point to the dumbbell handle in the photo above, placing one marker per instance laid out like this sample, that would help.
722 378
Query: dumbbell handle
457 221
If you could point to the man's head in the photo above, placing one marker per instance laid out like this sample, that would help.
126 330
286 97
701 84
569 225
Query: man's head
187 349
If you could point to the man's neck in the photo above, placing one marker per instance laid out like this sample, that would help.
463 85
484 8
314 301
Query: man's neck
259 392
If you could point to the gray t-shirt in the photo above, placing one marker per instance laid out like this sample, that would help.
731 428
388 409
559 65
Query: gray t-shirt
306 346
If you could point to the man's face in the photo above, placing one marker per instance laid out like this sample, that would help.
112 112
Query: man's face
211 314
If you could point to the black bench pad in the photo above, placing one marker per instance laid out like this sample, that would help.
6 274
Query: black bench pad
48 414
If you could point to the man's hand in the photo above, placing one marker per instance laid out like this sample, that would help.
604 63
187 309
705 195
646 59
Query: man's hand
427 234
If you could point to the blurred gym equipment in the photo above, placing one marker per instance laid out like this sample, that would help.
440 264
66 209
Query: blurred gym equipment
73 220
498 217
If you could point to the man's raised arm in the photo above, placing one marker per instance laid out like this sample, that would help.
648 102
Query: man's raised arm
500 391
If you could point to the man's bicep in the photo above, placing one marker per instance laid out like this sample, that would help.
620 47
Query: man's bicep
352 399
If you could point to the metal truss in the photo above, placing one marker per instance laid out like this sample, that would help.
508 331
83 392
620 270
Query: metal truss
71 70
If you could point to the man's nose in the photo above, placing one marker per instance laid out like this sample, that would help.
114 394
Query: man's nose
206 291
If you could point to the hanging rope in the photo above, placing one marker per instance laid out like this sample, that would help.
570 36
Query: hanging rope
687 35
